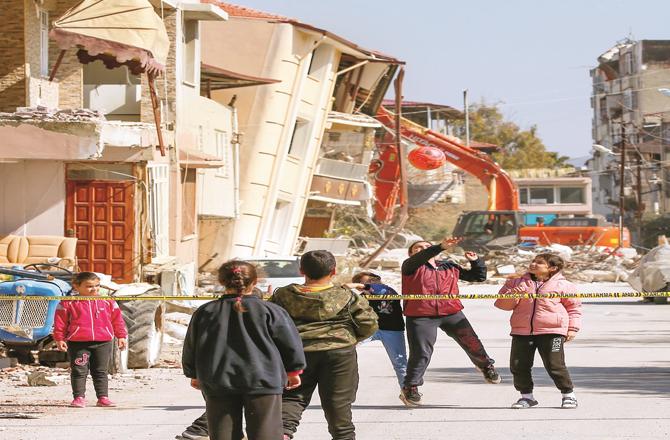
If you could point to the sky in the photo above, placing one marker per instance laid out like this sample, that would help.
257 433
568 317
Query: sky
531 56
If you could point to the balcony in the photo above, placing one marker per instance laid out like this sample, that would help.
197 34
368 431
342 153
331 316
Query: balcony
341 170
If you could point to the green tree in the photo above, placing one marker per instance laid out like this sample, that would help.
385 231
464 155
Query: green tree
518 148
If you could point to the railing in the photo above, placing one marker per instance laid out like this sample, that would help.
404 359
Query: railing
342 170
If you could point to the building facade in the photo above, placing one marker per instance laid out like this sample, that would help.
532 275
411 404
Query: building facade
631 110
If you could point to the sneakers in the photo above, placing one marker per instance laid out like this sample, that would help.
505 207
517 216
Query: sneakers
78 402
410 396
491 375
105 402
524 403
569 403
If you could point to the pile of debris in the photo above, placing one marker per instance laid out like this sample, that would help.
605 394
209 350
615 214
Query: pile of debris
45 114
583 263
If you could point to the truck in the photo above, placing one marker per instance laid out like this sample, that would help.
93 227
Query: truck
501 224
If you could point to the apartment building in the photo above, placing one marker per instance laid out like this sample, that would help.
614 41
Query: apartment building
631 109
306 138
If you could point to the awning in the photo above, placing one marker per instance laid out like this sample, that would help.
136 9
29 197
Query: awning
215 78
115 31
197 159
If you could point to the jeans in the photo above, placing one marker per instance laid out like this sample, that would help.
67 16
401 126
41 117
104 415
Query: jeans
394 343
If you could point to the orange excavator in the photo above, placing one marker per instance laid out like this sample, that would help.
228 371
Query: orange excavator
502 224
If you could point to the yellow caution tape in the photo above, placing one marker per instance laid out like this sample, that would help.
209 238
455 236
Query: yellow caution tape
368 297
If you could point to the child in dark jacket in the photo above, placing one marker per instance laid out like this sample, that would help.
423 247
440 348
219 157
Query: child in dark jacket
241 352
85 329
331 319
391 331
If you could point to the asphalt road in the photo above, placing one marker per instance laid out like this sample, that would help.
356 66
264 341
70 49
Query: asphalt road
620 364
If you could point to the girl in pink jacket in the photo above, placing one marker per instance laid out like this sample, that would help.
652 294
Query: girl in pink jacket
86 329
544 324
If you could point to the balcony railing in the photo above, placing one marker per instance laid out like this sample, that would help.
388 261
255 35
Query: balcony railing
340 169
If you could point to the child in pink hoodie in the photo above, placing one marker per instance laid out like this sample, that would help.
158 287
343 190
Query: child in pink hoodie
86 329
544 324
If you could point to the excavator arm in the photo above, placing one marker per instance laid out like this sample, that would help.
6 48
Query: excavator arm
503 193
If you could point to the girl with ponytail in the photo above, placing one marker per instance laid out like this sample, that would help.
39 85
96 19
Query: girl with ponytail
242 352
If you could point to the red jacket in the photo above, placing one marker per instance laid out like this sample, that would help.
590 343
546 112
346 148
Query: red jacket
89 320
419 277
541 316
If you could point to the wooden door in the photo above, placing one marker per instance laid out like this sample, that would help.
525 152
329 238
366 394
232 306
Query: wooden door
102 216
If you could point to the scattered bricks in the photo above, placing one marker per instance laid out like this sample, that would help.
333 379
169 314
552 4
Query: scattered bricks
8 362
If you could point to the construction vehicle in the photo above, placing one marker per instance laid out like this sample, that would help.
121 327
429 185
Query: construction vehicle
501 224
26 325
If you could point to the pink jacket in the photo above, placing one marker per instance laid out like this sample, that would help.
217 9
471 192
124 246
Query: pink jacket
91 320
542 316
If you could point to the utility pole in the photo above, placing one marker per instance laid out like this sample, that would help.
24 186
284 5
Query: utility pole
622 183
466 110
640 206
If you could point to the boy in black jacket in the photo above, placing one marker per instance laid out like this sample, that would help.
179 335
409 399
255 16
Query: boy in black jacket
242 352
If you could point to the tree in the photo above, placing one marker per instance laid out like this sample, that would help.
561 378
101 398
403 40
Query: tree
519 148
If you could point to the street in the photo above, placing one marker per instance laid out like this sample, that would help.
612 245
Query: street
620 364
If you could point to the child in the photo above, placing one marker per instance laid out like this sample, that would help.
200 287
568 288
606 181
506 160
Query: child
331 319
424 274
86 329
240 352
389 317
544 324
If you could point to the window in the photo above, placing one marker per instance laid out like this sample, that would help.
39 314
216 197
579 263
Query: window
223 152
523 196
44 43
318 59
158 209
571 195
188 214
300 138
541 195
190 39
280 221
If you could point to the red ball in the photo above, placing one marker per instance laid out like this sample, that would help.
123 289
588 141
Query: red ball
426 158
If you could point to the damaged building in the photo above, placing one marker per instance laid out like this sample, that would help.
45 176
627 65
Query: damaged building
630 101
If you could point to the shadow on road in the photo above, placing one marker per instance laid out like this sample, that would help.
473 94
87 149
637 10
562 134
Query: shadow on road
613 380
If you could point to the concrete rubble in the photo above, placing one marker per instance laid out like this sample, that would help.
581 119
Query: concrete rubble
46 114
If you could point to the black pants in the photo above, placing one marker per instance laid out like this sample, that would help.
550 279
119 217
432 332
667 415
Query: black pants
421 337
336 374
551 351
89 356
262 413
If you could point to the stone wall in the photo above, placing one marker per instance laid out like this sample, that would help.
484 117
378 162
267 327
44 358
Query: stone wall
12 47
